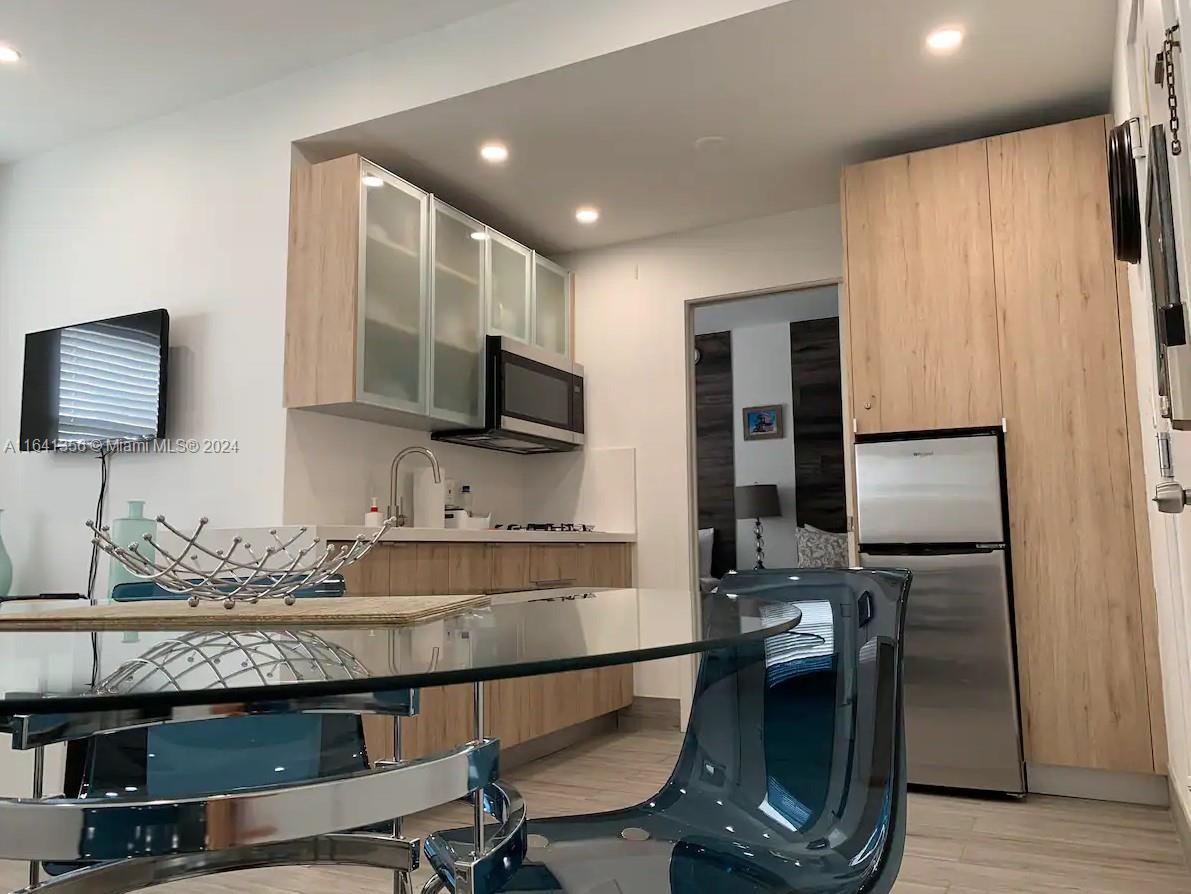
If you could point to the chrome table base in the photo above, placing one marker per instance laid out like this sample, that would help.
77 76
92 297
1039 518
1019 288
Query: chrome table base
121 876
269 826
38 791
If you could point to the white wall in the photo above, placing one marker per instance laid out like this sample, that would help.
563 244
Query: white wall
761 376
333 466
631 308
1139 38
190 212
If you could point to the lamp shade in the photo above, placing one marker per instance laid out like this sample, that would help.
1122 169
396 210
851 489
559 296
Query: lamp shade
757 501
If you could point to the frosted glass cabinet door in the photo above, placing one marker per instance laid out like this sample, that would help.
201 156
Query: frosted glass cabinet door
552 307
393 292
457 299
510 272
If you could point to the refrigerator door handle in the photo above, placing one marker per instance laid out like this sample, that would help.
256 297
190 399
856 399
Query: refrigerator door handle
931 549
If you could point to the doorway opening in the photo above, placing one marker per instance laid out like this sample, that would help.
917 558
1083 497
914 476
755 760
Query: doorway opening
768 432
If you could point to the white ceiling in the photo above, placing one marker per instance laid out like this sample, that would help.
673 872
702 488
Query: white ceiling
94 64
797 90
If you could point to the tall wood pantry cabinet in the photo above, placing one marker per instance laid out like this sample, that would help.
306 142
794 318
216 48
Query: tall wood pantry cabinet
981 285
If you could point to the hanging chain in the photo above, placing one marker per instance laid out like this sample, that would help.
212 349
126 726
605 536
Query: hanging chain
1172 97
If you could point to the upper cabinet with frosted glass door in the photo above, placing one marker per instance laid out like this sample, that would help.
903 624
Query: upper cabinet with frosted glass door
551 306
357 296
390 293
510 287
457 277
391 332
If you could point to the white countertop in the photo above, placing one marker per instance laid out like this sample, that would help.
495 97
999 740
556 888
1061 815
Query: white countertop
445 535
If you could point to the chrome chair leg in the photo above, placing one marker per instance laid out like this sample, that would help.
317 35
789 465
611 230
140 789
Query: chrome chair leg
38 791
477 701
401 880
465 872
433 885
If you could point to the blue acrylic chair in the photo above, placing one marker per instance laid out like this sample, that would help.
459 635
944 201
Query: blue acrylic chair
204 757
191 759
791 777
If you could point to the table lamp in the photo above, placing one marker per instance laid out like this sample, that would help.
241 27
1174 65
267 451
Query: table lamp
758 501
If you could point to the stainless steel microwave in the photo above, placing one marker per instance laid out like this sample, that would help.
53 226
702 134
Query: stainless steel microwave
533 401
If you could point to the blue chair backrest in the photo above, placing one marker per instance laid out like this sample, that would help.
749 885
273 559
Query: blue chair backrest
795 746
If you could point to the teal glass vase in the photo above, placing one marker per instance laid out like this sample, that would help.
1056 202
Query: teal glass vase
125 532
5 566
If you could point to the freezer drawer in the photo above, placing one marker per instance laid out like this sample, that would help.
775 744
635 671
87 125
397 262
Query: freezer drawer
938 490
963 729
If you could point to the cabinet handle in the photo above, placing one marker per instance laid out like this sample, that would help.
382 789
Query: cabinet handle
558 582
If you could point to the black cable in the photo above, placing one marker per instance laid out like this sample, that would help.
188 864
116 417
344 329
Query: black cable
104 456
99 505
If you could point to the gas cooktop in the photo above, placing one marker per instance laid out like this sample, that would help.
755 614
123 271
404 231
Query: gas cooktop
565 527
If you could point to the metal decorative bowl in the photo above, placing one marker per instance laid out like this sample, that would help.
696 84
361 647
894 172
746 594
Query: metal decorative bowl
212 659
238 573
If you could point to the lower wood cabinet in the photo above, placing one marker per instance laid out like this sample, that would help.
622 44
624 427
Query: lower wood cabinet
517 710
426 569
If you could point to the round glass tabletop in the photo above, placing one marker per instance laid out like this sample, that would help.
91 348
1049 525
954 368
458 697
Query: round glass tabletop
515 635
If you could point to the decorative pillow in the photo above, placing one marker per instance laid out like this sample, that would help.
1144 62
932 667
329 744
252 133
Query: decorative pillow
821 549
706 547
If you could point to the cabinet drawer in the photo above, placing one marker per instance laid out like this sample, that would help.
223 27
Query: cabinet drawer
509 566
468 569
604 565
403 570
554 565
370 575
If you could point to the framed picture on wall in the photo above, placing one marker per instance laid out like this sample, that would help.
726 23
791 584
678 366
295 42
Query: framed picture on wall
764 423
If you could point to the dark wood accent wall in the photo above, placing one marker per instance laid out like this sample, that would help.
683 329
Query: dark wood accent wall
715 453
818 423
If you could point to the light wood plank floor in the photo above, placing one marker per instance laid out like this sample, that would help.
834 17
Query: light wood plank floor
955 845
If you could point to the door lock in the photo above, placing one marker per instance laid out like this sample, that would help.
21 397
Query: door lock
1171 497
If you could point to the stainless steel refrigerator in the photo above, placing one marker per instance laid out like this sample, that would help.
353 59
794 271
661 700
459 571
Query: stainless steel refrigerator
934 503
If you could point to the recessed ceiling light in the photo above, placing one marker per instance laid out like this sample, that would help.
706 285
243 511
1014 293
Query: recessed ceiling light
587 214
945 40
372 181
8 54
494 153
479 235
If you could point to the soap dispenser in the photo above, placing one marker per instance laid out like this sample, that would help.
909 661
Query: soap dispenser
372 518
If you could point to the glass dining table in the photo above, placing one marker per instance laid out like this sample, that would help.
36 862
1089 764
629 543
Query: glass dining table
228 747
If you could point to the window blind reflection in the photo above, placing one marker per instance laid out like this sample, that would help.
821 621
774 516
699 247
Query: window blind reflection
108 383
807 648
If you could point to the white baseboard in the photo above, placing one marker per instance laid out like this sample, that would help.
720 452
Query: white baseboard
1098 785
1182 822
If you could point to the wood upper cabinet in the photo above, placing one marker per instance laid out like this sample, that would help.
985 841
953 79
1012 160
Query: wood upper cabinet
357 296
920 292
1075 561
390 292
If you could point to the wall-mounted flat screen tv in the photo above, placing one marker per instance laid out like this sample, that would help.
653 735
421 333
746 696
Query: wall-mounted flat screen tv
99 384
